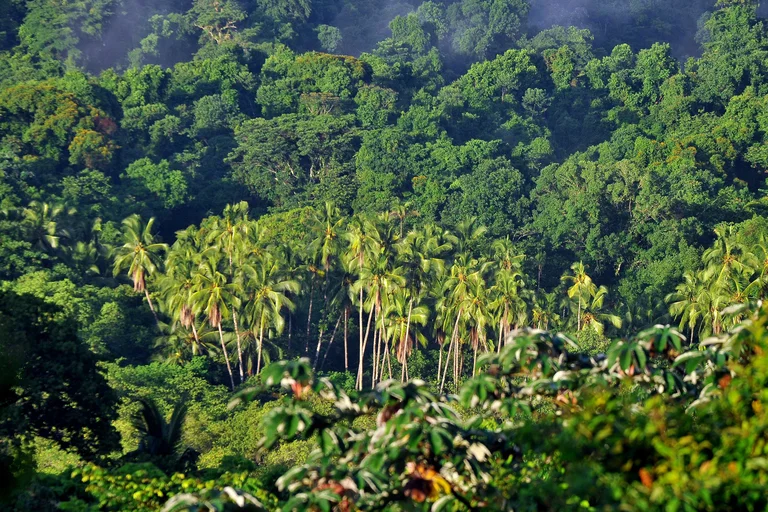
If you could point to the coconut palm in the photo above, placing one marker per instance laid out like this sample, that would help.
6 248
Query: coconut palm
268 294
728 257
581 290
469 234
178 345
594 317
379 280
461 286
139 254
360 249
507 306
684 302
327 227
211 295
42 223
402 326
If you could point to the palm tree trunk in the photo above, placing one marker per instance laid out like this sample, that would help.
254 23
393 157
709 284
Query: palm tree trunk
290 329
261 342
360 346
239 350
317 350
152 307
474 361
578 317
226 357
328 348
346 346
197 338
501 336
450 346
405 340
309 314
363 347
440 360
375 358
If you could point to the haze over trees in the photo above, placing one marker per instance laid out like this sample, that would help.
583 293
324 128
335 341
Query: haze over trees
313 255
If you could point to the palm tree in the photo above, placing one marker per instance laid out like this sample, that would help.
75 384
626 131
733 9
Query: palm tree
402 321
581 290
159 438
230 234
210 295
177 283
506 303
327 226
178 345
357 249
506 256
461 286
420 254
728 256
593 316
140 254
268 290
42 223
684 302
469 234
379 280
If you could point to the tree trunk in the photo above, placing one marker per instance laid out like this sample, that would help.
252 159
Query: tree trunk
450 346
197 338
317 350
261 343
578 317
309 314
405 340
474 361
440 360
346 346
239 350
374 358
501 336
152 308
226 357
328 348
290 329
362 349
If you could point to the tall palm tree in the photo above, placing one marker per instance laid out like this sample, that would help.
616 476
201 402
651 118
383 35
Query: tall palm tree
230 234
139 254
402 322
357 252
684 302
379 280
507 305
210 296
465 278
327 227
178 282
268 294
581 290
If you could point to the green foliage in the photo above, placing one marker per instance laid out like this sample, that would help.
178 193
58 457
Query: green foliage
58 392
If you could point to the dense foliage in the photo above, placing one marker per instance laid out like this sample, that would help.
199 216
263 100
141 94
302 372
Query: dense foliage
400 202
